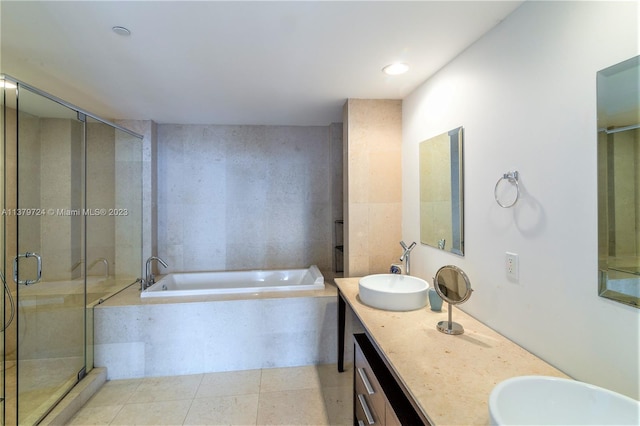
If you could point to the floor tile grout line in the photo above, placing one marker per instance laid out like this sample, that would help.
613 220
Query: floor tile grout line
259 396
199 385
193 398
186 415
116 415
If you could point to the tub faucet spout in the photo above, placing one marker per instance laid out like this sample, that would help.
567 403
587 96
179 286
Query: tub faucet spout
75 265
106 265
149 278
406 255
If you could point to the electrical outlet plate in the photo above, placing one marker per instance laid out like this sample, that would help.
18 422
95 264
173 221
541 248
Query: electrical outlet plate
511 266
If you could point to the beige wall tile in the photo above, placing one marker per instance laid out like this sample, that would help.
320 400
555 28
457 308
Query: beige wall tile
385 177
373 184
384 230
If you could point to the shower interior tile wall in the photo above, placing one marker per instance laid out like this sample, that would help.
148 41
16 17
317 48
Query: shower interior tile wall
148 130
247 197
128 162
47 176
100 194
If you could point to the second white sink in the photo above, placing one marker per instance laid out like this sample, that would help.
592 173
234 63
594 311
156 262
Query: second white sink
542 400
393 292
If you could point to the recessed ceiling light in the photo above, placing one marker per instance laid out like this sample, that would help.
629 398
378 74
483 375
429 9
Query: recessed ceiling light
121 31
396 68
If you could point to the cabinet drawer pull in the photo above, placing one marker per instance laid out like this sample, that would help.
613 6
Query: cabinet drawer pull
360 422
365 408
365 380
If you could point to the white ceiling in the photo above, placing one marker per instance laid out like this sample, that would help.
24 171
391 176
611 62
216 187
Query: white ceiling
286 63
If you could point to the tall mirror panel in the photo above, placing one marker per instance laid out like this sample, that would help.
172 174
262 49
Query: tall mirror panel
619 182
441 192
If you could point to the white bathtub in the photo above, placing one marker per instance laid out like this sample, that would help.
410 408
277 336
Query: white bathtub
235 282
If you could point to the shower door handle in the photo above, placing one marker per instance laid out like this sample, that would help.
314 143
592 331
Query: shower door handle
39 268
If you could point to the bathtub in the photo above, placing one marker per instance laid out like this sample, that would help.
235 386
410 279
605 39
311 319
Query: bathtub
235 282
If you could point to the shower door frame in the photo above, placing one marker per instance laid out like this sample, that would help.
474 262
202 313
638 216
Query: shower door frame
13 414
49 184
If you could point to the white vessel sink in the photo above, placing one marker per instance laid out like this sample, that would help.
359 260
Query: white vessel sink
542 400
393 292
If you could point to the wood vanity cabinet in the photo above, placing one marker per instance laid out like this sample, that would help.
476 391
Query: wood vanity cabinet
378 398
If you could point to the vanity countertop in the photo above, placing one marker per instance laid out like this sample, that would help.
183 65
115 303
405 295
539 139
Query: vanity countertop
449 377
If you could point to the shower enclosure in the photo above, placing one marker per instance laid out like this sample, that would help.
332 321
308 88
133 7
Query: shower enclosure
70 234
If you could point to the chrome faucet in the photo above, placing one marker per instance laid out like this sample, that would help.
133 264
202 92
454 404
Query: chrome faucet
406 256
149 278
106 265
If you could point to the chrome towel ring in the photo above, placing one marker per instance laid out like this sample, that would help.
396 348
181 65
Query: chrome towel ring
513 178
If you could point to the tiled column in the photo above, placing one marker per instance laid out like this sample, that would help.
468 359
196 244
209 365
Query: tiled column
372 185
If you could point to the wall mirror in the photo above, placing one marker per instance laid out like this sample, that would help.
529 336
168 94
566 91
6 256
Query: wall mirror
619 182
441 192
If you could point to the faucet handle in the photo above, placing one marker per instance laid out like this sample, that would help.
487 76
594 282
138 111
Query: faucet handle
404 246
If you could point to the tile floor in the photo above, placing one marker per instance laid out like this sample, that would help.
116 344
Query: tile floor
309 395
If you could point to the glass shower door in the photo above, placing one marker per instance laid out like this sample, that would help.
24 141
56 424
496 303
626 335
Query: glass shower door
49 268
5 289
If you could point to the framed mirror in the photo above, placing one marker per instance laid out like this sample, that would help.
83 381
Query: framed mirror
619 182
441 192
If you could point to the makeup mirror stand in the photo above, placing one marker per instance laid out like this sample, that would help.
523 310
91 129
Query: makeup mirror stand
450 327
453 286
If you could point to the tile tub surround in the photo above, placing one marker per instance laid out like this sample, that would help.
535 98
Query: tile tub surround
188 335
247 197
449 377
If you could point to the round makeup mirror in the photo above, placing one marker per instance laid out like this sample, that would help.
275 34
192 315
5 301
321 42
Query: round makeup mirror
453 286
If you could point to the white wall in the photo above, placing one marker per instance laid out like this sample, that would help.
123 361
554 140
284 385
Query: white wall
526 96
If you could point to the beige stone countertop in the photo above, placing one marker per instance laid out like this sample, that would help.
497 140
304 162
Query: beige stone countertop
450 377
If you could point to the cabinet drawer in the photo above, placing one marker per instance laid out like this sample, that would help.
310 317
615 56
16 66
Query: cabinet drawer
367 385
365 376
364 414
386 402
